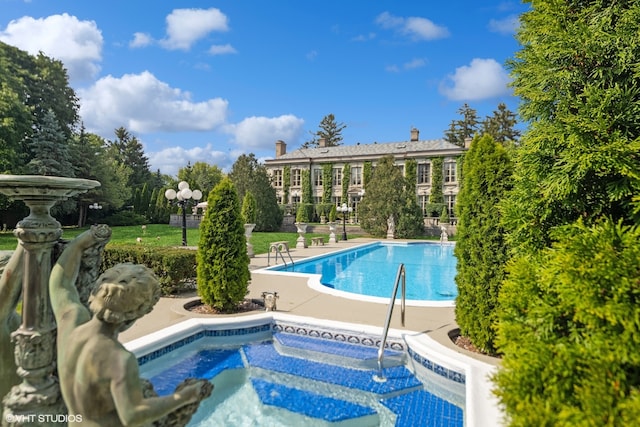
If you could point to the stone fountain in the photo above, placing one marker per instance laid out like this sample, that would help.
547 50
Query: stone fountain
36 400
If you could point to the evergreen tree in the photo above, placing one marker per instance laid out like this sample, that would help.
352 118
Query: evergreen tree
129 151
249 207
480 247
50 154
91 161
569 330
249 175
501 126
459 130
569 307
223 264
579 156
330 130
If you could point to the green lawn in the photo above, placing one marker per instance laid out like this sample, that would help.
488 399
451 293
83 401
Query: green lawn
160 235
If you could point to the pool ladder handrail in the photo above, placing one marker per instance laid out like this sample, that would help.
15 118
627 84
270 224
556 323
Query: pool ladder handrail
401 274
278 251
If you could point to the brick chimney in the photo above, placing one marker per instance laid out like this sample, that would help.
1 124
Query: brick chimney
414 134
467 142
281 148
322 142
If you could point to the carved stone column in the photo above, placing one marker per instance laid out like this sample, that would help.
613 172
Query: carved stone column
38 395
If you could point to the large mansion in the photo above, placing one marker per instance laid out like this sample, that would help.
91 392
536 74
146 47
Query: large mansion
287 169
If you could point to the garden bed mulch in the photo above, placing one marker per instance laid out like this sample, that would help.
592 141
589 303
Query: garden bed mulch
245 306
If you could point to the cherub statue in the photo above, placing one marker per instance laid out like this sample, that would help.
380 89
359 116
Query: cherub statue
99 378
10 291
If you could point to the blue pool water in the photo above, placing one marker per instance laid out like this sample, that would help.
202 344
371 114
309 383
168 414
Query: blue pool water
371 270
294 379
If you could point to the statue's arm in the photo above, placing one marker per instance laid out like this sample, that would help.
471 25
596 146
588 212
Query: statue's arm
62 289
132 407
11 283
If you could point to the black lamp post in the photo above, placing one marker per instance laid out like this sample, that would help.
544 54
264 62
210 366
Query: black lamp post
344 209
184 195
95 206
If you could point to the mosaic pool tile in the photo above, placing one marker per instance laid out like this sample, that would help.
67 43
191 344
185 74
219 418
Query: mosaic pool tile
449 374
421 408
198 335
307 403
265 356
339 336
337 348
204 364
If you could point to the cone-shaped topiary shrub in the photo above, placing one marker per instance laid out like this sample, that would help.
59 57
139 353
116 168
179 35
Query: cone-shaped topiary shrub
249 208
223 263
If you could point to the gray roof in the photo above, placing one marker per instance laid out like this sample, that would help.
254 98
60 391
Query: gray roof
371 150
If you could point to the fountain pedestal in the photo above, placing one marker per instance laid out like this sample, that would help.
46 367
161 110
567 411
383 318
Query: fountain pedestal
38 394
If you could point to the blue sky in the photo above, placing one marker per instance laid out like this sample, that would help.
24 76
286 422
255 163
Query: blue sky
210 80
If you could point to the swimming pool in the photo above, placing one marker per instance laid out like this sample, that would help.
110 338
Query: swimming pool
371 270
450 380
283 373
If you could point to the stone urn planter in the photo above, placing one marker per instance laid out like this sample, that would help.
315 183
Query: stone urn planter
332 232
248 229
301 228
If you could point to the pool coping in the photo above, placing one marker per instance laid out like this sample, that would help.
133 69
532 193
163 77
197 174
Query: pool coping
481 406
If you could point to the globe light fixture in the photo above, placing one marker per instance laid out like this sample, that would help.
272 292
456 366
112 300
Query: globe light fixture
344 209
183 197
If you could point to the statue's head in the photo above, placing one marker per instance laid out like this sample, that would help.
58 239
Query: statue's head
124 293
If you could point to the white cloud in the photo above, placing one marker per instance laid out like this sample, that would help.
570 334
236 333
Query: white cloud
410 65
78 44
311 55
262 132
364 37
186 26
414 63
414 27
170 160
141 103
140 40
482 79
506 26
222 49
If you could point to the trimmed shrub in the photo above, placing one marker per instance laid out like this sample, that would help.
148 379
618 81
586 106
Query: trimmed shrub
570 332
333 213
304 212
174 267
480 249
124 218
223 263
249 208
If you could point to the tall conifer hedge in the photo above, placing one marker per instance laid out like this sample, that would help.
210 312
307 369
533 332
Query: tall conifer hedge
223 264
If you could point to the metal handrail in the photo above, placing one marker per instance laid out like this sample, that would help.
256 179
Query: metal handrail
278 251
401 273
